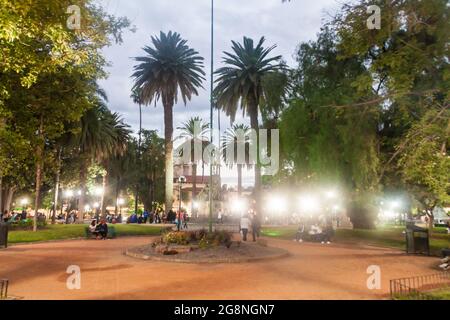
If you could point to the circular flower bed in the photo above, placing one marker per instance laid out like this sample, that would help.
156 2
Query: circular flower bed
204 247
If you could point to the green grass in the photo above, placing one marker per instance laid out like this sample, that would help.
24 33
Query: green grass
61 232
387 236
443 294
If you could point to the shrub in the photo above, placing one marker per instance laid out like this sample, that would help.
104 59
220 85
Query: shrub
180 238
26 224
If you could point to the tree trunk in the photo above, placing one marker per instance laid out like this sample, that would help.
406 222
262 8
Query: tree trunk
102 200
194 187
39 165
8 196
239 170
82 200
253 111
1 195
117 196
136 200
168 133
58 175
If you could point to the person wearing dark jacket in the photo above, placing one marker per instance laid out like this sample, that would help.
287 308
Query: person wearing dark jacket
102 230
256 227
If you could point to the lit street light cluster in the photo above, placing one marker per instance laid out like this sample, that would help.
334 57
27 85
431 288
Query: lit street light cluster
279 206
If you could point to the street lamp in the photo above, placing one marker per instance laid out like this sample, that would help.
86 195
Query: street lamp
68 193
181 180
98 191
309 203
24 202
120 203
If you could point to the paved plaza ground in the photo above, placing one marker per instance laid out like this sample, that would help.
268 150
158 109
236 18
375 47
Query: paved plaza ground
312 271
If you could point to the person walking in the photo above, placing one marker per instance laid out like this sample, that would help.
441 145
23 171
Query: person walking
220 216
244 226
256 227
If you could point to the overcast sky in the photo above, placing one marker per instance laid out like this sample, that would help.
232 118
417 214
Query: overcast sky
285 25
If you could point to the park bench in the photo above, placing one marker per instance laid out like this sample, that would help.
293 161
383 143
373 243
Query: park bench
445 252
111 233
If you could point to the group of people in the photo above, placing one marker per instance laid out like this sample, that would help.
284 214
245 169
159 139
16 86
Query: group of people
249 222
315 229
146 217
99 230
15 216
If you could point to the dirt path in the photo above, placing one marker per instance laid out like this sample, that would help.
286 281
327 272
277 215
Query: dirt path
313 271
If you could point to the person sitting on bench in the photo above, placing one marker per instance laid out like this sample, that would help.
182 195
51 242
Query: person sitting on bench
101 231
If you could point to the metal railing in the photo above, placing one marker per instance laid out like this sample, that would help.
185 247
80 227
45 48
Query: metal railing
416 288
4 289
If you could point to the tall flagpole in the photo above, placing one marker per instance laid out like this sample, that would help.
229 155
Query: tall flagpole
211 120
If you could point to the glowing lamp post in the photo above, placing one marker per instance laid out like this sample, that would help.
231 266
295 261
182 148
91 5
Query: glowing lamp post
24 202
120 203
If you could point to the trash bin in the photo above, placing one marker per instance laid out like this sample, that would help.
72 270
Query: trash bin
417 240
3 235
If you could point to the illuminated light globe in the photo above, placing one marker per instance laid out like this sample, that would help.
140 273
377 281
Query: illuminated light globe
331 194
24 202
120 202
309 203
238 205
277 204
98 191
69 193
87 208
96 205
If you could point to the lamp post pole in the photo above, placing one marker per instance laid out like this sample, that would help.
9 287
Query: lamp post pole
211 119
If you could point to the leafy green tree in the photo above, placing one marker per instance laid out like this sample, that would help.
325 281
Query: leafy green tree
407 60
169 67
327 135
152 176
102 135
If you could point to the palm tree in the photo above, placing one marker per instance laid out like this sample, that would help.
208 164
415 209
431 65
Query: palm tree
194 131
231 141
170 67
102 134
241 82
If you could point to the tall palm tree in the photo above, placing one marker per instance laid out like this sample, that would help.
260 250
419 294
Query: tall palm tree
194 131
168 68
231 141
102 134
241 82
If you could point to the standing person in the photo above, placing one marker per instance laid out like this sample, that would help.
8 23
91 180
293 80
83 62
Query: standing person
145 216
220 216
178 220
23 215
185 220
256 227
244 226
